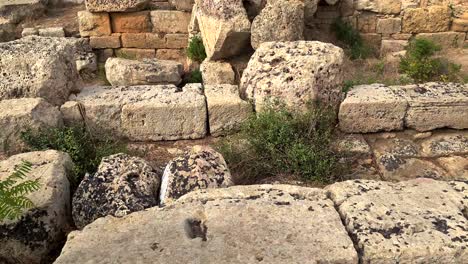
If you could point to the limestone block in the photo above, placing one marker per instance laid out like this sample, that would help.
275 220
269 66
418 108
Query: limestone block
143 41
168 21
41 229
430 19
447 40
105 42
226 110
390 46
135 54
115 6
445 145
94 24
379 6
217 72
55 32
135 22
372 108
233 225
388 25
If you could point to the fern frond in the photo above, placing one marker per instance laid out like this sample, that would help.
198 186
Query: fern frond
24 188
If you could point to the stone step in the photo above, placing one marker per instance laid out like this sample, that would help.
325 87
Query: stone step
142 113
423 107
349 222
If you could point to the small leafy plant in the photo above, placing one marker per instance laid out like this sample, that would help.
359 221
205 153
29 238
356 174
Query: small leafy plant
84 150
351 38
278 141
195 76
419 63
196 49
13 192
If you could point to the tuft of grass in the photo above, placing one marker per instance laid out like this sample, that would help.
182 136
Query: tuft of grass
196 49
84 150
351 38
195 77
13 192
278 141
419 63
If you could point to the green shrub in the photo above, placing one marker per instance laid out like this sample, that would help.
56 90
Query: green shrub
195 77
419 63
84 150
351 39
196 50
13 198
277 141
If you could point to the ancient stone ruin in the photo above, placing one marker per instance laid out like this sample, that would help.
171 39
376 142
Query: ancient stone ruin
142 131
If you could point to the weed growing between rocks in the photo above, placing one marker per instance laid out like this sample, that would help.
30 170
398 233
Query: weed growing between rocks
85 151
352 39
13 192
419 63
278 141
194 76
196 50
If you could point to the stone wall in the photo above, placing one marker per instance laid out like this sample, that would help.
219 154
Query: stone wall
157 29
387 25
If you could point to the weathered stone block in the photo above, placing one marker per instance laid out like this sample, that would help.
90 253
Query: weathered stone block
115 6
295 73
94 24
176 41
379 6
41 229
393 222
123 72
7 30
431 19
372 108
19 115
388 25
226 110
54 32
105 42
435 105
165 21
225 30
367 23
143 41
183 5
171 54
144 113
136 22
212 232
216 72
392 46
39 67
445 144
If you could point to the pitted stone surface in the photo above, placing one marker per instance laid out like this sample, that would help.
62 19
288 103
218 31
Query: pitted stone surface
122 185
19 115
445 144
142 113
226 110
456 166
398 168
224 27
241 224
115 6
418 221
435 105
295 73
18 10
281 20
372 108
40 229
122 72
39 67
200 168
217 72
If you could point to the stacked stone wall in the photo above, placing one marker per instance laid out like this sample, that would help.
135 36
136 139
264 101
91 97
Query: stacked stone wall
388 25
157 29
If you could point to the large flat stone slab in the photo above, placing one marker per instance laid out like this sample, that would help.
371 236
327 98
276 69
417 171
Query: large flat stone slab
42 228
19 115
241 224
39 67
418 221
142 113
115 6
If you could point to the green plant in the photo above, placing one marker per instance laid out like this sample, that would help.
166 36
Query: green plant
84 150
278 141
351 38
13 192
419 63
195 77
196 50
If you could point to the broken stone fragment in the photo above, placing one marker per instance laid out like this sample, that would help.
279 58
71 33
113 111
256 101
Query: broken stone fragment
200 168
122 185
41 229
